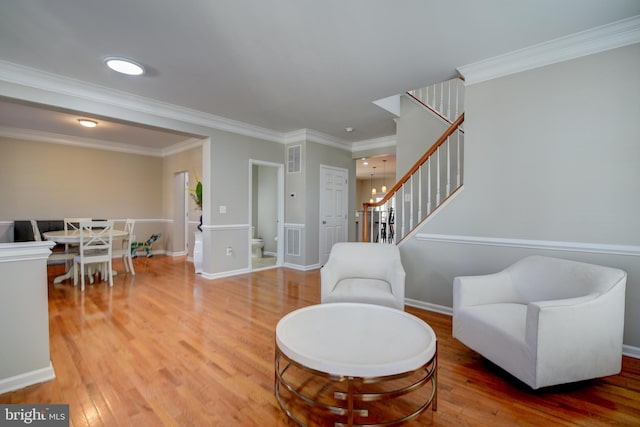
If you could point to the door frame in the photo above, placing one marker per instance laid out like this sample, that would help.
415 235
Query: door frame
280 209
184 217
345 201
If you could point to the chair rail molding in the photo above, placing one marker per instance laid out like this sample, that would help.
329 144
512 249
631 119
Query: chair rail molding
610 36
598 248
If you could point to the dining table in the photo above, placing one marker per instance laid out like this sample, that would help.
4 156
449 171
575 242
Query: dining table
73 237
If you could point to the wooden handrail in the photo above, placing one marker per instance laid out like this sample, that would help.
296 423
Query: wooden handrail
407 176
430 108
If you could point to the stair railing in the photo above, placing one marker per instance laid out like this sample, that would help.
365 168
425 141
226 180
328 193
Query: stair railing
444 99
435 177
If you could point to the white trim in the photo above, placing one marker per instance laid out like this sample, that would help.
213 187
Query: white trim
97 144
26 379
31 77
226 227
429 306
25 251
174 254
370 144
292 225
631 351
302 267
610 36
599 248
310 135
212 276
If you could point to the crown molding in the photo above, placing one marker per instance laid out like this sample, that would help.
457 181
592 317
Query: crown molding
182 146
97 144
54 83
311 135
369 144
610 36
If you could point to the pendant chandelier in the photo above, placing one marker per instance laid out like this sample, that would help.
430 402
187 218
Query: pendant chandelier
373 189
371 199
384 176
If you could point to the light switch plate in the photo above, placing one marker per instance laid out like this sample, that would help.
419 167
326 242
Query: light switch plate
223 209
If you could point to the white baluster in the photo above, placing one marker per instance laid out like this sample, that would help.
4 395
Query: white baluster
429 186
411 202
449 103
420 193
402 228
441 110
458 165
448 166
438 177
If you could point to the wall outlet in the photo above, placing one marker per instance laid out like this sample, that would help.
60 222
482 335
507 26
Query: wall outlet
229 251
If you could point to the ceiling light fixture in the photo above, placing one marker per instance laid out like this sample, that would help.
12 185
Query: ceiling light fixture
349 129
124 66
88 123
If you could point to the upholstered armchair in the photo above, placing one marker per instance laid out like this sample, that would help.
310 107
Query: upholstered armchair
363 272
544 320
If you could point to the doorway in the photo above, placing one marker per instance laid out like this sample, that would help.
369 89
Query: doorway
266 215
180 213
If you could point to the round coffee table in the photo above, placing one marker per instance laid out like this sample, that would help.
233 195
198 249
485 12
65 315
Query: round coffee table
354 349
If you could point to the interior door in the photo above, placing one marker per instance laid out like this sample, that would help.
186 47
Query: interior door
333 209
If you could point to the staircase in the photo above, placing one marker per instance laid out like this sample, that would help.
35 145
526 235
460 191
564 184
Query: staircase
432 180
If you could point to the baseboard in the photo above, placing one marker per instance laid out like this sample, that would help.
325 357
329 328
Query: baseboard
429 306
28 378
229 273
631 351
302 267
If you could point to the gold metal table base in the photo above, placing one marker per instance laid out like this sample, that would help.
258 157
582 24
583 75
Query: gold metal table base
343 396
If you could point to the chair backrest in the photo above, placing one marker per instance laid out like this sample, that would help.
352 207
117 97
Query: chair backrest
366 260
540 278
96 236
128 228
74 223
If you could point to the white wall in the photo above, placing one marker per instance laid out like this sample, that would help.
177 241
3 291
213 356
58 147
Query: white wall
551 154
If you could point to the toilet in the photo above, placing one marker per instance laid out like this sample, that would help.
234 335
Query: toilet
256 244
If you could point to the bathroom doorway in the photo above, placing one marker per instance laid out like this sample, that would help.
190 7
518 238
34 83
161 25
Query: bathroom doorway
266 215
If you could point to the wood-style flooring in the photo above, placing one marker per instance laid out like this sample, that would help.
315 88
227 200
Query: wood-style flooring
167 347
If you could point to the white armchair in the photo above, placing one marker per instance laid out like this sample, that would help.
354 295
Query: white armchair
544 320
363 272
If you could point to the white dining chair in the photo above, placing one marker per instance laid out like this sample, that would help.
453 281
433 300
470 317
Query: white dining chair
127 260
71 250
96 238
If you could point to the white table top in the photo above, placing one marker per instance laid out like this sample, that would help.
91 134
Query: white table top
359 340
73 236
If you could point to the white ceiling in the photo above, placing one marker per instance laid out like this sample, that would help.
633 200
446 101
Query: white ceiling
281 65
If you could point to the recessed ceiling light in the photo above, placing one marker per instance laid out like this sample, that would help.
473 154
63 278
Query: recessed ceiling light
88 123
124 66
348 129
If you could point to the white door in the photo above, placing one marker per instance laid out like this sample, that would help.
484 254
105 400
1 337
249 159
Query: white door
334 197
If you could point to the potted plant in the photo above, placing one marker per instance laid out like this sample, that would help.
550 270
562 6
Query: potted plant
196 195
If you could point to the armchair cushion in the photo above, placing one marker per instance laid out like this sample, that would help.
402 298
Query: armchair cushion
545 320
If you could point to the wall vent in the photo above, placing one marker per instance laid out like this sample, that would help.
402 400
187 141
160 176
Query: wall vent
293 241
294 158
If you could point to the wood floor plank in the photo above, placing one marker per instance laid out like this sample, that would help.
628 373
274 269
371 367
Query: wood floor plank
169 348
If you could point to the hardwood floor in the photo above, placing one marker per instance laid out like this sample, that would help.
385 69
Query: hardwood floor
167 347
